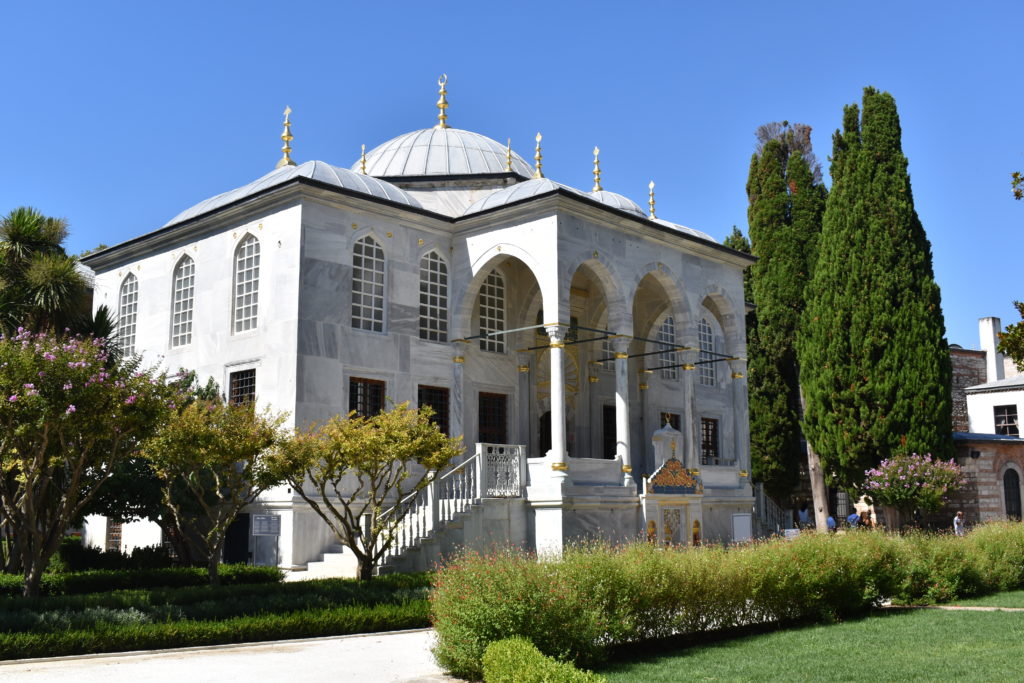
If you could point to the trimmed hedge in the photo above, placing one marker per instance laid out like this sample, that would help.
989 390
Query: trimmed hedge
100 580
596 597
301 624
517 660
47 614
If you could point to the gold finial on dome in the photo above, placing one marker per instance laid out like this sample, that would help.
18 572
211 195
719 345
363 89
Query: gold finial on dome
442 103
362 161
597 170
508 156
537 158
650 201
286 150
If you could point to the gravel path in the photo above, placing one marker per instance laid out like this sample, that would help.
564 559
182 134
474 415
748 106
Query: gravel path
401 656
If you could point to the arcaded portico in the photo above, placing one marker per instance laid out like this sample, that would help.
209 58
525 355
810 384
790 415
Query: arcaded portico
556 329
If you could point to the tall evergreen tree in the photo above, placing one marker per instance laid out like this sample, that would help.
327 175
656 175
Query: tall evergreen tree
874 362
786 205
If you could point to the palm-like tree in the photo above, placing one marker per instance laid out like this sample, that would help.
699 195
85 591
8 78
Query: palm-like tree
40 285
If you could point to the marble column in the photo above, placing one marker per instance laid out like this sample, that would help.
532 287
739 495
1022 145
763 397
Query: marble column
621 347
457 411
525 422
557 454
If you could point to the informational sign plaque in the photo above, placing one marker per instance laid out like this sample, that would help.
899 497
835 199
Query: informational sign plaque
266 525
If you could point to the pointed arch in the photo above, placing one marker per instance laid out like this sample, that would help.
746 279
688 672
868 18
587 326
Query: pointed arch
183 287
246 285
433 297
127 313
368 285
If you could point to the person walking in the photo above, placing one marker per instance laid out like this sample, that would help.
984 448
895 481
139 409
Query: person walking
959 527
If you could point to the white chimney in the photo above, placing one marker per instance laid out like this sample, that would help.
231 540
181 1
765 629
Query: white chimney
988 331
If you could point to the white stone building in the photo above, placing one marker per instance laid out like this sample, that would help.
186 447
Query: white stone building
442 268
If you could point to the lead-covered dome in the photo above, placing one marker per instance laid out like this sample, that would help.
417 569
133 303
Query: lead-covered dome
686 230
525 190
617 201
441 152
314 170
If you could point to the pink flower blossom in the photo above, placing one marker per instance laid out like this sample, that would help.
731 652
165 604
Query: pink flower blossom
71 409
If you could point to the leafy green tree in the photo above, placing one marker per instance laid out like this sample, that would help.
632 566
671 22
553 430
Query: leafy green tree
1017 184
218 453
362 472
40 286
1011 342
738 241
874 362
68 418
786 205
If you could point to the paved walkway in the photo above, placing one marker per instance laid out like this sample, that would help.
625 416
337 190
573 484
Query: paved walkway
402 656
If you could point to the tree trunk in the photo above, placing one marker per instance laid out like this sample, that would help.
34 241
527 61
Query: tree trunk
213 566
33 577
818 492
365 569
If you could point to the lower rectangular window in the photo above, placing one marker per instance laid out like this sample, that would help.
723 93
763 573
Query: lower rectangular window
709 450
1006 421
242 386
437 399
365 396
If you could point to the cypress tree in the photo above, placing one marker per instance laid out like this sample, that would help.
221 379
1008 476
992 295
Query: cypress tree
786 205
874 362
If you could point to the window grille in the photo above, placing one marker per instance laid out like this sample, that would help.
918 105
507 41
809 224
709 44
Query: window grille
492 312
436 398
707 347
182 302
242 386
709 453
127 314
365 396
433 298
667 334
1006 420
368 285
247 284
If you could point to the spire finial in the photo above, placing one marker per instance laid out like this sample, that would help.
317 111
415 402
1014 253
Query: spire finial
362 160
597 170
286 150
537 158
442 103
650 202
508 156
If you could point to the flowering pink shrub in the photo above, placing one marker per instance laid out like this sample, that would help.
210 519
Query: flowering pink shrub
913 482
68 416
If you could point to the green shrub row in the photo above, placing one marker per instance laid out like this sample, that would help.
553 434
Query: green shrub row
200 603
517 660
100 580
577 607
75 557
130 636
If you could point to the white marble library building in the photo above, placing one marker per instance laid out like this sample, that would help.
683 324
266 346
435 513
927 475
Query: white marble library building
591 353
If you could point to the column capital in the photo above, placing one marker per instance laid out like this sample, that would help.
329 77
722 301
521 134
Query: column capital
556 333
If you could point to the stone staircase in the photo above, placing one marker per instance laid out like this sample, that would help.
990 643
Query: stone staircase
440 518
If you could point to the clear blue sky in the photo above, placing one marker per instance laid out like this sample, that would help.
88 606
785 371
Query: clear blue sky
119 115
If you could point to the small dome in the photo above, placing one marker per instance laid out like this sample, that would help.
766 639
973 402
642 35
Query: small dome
314 170
617 201
441 151
688 231
508 195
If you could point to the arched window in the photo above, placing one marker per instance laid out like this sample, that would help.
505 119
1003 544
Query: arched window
667 334
492 312
433 298
1011 494
706 336
182 300
368 285
247 284
127 314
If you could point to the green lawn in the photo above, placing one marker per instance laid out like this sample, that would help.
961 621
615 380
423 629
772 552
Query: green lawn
1010 599
913 645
